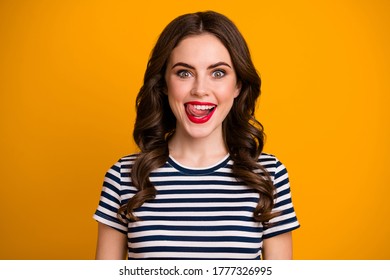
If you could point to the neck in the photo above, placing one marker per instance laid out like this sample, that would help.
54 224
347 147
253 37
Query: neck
197 152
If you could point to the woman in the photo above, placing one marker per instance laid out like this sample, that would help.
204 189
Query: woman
200 187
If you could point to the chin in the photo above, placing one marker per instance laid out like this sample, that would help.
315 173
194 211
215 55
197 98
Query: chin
200 131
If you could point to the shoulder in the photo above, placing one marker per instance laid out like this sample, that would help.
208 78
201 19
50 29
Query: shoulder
128 159
124 162
118 176
121 166
266 158
272 164
269 161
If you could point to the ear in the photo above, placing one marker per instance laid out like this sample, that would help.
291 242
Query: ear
164 87
238 89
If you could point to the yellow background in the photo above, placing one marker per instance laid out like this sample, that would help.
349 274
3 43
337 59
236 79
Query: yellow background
69 74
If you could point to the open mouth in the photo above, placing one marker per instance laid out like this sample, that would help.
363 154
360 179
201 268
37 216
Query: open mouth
199 112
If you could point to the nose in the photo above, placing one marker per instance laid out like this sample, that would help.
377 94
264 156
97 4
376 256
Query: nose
200 86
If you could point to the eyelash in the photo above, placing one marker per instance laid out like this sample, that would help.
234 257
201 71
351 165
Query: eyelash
222 72
185 73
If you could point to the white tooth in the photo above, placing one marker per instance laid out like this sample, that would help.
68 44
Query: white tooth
203 107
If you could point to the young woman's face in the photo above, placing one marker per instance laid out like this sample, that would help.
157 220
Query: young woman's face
201 84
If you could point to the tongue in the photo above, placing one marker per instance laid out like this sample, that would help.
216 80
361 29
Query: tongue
196 112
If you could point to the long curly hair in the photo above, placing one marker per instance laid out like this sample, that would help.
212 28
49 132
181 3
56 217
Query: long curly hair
155 122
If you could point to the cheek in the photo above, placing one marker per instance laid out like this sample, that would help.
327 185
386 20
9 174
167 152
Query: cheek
177 90
229 91
176 97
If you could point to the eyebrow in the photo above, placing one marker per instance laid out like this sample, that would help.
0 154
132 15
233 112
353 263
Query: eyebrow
221 63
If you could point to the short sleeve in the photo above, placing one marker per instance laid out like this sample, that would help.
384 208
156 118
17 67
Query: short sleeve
110 199
287 220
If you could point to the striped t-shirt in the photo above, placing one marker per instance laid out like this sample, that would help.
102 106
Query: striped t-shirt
198 213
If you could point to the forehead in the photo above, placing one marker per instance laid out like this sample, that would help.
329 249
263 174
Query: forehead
200 48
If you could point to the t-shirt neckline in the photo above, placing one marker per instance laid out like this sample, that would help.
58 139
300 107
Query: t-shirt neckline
200 170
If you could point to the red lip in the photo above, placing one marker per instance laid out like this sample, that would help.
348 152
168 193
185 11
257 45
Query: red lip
200 103
204 119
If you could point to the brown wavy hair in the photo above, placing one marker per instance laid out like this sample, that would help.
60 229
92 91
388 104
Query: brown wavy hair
155 122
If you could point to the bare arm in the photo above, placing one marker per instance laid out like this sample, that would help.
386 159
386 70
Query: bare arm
111 245
278 247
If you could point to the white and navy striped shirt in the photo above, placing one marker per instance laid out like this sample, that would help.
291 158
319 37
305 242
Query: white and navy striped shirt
198 213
